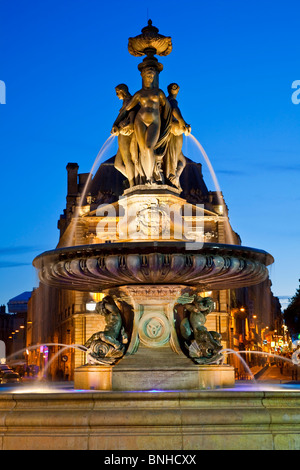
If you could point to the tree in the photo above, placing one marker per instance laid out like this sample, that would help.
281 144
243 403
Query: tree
292 315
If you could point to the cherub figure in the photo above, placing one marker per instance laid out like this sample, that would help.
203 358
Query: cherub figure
203 346
108 345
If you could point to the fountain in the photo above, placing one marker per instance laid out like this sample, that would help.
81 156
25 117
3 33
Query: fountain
155 376
154 257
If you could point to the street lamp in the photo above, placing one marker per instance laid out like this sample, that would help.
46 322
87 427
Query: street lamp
90 306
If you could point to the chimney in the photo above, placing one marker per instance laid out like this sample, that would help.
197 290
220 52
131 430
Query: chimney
72 169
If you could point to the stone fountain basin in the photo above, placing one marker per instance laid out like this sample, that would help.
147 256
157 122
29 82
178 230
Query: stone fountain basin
93 268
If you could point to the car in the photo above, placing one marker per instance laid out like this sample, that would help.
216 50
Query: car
10 377
3 372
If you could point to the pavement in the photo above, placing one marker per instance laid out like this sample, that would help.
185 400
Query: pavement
272 373
268 375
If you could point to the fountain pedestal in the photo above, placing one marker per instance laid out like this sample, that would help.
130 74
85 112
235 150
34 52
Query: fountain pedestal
154 359
151 369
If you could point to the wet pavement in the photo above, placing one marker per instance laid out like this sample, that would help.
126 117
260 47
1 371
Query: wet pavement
270 377
274 373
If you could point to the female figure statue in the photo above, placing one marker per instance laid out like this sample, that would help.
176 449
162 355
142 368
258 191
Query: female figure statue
151 126
123 128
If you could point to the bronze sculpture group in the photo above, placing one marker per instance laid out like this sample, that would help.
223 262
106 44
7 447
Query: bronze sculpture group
150 131
108 345
150 125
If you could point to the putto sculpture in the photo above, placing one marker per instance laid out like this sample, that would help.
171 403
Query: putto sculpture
108 345
203 346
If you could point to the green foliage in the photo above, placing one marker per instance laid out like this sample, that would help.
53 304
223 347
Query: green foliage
292 315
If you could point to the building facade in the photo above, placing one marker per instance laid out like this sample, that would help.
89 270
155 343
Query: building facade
13 328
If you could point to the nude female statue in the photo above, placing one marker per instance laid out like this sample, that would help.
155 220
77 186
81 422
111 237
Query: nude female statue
123 128
148 121
175 160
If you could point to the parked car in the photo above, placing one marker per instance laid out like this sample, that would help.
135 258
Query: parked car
10 377
4 371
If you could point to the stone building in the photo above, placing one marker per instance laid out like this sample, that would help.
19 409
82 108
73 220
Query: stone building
13 327
6 327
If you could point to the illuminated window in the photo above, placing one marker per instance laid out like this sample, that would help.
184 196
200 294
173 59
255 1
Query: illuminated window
98 296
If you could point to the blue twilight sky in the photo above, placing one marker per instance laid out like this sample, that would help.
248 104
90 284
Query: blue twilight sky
235 62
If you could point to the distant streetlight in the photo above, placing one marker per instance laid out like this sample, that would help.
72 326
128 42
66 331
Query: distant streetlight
91 306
